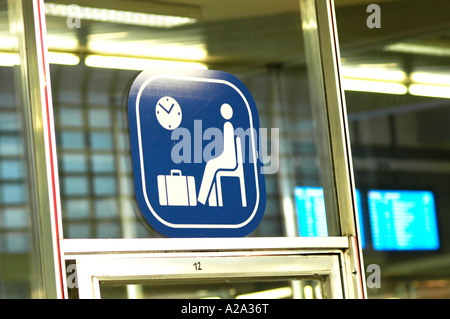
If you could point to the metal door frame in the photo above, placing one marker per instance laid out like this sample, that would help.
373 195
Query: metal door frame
28 21
319 27
100 260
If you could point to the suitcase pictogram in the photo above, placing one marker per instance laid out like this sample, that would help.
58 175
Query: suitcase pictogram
176 189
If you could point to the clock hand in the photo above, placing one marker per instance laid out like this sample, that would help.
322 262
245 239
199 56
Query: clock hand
165 108
171 107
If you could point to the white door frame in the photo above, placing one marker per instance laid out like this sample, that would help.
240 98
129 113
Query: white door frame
100 260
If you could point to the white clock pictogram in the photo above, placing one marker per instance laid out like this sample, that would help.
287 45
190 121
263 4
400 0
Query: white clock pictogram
168 113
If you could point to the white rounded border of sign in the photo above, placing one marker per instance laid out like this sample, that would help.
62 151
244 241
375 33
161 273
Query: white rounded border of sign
141 159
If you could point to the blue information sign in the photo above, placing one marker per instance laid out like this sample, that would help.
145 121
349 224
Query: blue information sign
195 151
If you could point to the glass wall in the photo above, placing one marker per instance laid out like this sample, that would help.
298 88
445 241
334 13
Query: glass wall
106 48
96 49
397 84
15 213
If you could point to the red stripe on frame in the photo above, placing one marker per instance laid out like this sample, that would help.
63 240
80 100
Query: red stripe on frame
49 133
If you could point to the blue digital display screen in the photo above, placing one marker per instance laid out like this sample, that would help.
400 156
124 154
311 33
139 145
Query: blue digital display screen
312 220
403 220
361 220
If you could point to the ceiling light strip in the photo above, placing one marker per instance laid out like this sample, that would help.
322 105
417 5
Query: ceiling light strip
11 59
63 58
115 16
115 62
421 49
438 91
373 73
277 293
374 86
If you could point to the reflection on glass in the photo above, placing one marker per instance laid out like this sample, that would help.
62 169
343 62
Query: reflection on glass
261 45
310 204
232 289
76 208
72 140
15 213
312 220
70 117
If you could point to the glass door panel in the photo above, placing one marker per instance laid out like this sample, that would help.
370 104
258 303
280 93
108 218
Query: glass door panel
23 194
96 49
261 44
15 212
292 74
